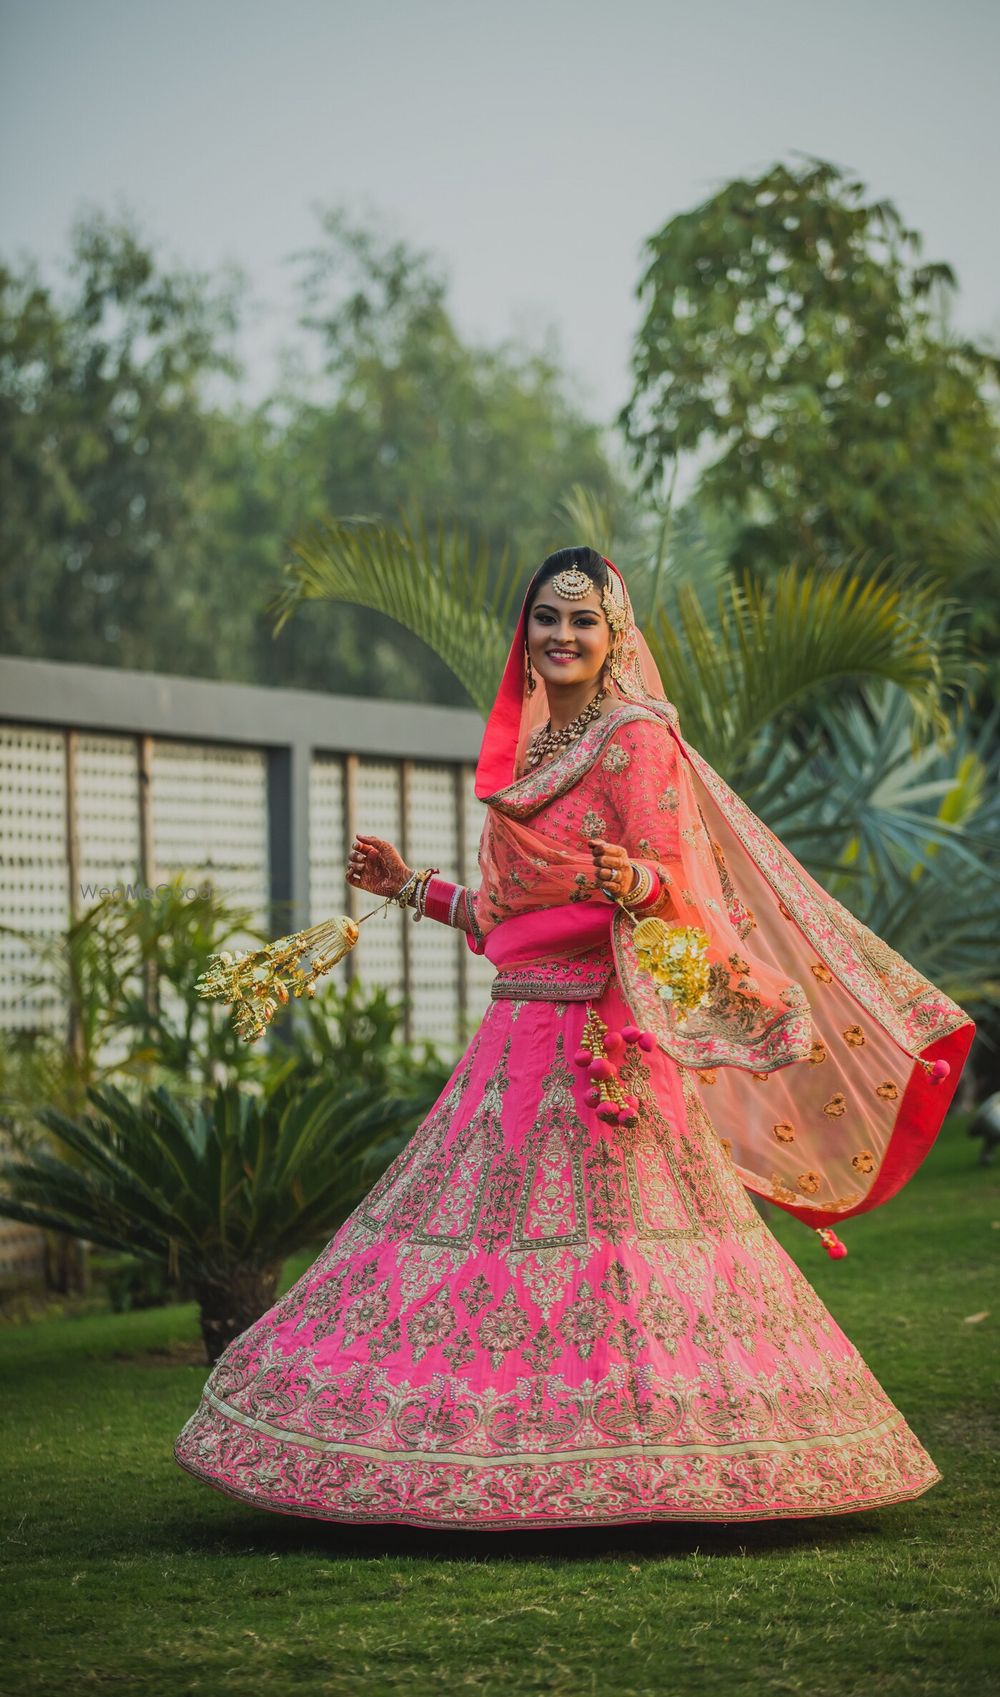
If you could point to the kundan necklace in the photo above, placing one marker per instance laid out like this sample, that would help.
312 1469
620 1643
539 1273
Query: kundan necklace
546 741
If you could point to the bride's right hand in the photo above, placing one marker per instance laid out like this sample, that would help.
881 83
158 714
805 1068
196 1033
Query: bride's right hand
374 865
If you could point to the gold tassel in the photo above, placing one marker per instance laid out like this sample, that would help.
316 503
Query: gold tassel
256 983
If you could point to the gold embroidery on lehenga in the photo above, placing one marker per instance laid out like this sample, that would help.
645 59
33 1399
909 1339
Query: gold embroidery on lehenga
451 1211
504 1328
584 1321
551 1214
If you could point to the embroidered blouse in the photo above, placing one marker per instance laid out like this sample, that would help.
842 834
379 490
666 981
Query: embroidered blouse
600 787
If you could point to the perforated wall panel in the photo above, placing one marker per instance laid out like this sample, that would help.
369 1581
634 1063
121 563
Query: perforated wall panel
379 957
34 871
210 820
432 840
329 892
209 806
107 810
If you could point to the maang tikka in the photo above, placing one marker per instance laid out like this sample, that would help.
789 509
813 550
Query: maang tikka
573 585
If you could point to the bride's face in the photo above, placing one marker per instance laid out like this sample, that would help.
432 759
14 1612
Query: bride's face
568 641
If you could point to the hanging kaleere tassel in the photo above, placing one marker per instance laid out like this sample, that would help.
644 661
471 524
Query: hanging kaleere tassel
256 983
675 957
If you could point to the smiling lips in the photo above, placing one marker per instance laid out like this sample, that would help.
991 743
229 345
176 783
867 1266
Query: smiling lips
560 654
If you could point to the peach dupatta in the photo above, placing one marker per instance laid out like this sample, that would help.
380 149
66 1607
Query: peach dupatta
828 1061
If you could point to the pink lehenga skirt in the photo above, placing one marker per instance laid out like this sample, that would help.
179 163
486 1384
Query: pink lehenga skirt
535 1319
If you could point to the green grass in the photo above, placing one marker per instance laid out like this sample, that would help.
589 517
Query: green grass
123 1575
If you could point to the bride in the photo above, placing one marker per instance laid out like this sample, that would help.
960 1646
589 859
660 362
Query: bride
559 1305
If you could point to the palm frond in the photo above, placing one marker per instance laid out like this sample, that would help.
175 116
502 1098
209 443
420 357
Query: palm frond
589 519
772 648
239 1181
905 840
433 581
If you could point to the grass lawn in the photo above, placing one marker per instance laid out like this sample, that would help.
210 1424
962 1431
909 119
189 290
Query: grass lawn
122 1574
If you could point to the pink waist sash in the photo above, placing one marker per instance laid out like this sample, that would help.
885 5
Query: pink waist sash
549 931
552 953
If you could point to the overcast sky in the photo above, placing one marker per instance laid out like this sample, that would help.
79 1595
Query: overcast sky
531 147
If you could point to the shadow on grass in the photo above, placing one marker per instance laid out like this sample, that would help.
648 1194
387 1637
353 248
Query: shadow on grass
293 1534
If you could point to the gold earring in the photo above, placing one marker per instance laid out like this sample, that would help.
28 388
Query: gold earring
529 676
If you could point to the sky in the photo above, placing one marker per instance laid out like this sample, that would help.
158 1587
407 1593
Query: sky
531 148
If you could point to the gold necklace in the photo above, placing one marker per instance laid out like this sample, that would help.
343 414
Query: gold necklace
546 741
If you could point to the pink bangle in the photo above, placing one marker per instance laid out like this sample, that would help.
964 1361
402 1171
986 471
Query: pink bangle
653 894
440 900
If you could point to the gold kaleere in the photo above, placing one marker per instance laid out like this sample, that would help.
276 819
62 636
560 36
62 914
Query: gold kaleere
675 957
256 983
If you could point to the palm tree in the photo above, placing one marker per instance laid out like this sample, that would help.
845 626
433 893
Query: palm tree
224 1193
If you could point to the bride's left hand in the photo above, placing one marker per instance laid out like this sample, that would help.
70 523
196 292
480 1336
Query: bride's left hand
613 869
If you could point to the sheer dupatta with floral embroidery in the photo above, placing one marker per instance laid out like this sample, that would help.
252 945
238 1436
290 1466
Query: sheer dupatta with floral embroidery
827 1060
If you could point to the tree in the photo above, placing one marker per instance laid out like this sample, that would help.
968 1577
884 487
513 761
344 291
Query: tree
789 324
144 522
404 411
106 468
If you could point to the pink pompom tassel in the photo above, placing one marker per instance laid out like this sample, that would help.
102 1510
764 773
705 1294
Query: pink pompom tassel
939 1070
831 1243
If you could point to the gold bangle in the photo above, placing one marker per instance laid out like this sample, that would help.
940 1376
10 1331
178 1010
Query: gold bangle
420 892
642 888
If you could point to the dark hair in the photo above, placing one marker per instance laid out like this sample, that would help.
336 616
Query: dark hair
584 559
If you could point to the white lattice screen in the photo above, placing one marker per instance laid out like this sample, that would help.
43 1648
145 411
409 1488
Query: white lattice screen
329 892
108 833
210 820
209 825
34 870
432 840
379 957
107 802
